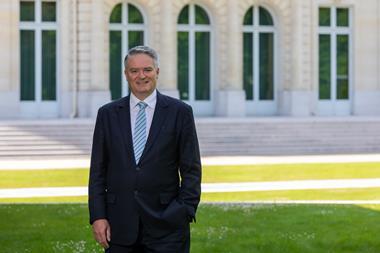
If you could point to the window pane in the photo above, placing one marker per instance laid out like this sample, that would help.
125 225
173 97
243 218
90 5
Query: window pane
183 17
134 15
342 67
324 17
201 17
248 17
27 63
324 66
202 66
26 11
342 17
248 65
265 17
266 66
116 14
135 38
49 11
183 64
115 64
49 65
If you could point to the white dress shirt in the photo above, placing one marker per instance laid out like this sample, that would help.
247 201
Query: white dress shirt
151 101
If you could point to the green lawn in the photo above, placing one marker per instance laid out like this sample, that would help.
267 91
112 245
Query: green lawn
43 178
64 228
327 194
280 172
211 174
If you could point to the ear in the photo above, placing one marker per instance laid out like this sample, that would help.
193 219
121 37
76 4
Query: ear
158 71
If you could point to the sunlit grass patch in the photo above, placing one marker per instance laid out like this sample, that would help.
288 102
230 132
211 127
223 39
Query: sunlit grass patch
226 228
68 199
283 172
210 174
43 178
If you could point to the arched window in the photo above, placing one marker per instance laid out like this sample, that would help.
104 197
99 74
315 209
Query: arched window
127 30
258 55
194 54
38 57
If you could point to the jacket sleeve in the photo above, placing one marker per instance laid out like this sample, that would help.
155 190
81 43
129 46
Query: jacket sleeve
98 167
190 164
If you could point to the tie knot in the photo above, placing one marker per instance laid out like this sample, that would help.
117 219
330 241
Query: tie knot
142 105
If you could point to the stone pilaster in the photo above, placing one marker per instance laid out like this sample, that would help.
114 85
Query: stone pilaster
297 101
95 92
366 83
167 50
9 55
8 21
230 97
66 51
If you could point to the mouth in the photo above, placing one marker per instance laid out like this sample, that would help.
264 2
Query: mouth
143 82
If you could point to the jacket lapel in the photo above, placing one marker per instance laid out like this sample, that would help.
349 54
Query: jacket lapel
124 117
159 117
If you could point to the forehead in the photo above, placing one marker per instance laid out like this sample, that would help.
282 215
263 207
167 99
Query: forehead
140 61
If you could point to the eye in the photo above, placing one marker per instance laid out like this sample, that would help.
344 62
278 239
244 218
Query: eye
148 70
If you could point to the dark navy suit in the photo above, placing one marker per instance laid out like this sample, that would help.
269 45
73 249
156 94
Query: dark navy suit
162 191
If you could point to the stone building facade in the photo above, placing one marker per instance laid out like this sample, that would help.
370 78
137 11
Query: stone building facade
228 58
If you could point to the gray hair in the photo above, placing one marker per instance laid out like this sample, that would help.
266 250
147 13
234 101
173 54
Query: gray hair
142 50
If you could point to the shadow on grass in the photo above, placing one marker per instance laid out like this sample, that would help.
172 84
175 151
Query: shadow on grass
220 228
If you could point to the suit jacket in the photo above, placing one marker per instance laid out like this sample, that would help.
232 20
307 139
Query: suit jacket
163 189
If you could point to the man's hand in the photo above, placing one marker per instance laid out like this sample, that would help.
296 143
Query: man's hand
102 232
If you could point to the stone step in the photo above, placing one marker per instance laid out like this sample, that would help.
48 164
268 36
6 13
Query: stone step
272 136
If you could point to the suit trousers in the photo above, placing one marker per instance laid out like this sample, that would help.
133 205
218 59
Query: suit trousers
177 241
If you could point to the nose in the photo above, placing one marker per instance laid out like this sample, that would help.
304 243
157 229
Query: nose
141 74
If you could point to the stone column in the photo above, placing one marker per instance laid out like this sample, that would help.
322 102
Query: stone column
366 52
168 50
298 97
67 41
9 64
231 97
95 93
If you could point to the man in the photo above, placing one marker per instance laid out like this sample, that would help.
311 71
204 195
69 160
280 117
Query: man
145 172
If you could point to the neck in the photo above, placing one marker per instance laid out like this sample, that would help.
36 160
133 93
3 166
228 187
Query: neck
141 97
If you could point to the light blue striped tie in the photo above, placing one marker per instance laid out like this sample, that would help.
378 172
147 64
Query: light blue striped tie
139 136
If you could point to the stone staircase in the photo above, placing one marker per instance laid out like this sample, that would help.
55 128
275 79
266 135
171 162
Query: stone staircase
290 136
46 139
217 137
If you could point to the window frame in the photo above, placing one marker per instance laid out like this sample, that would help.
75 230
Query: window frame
256 29
191 28
334 31
124 27
38 26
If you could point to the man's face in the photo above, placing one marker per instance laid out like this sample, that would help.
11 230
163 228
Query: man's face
141 75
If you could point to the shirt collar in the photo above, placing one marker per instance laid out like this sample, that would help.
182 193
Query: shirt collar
150 100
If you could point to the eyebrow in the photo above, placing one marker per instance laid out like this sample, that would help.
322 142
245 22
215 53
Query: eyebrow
141 68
